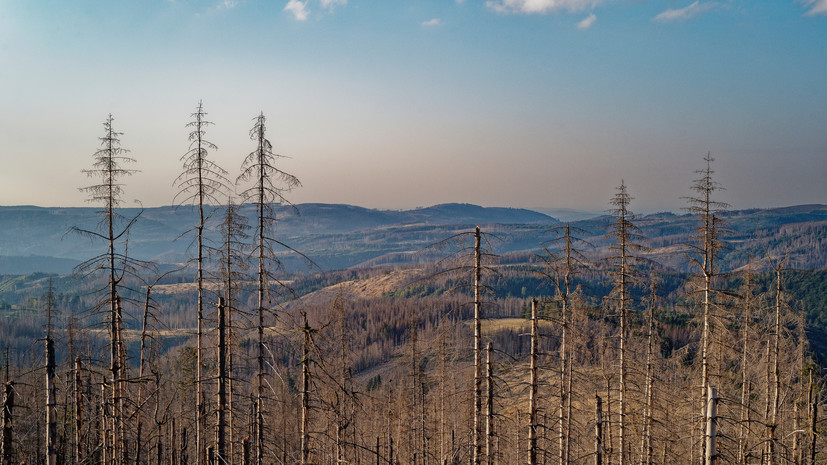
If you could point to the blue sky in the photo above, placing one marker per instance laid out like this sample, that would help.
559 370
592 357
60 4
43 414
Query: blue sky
397 103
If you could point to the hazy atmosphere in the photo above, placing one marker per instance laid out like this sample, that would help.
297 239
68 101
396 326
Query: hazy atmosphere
398 104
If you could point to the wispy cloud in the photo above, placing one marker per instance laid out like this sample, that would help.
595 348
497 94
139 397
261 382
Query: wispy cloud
587 22
301 11
816 7
298 8
329 4
432 22
224 5
541 6
686 12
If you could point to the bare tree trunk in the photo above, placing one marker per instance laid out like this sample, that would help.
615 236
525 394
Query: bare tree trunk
489 417
477 350
7 441
173 443
776 374
711 427
51 410
141 381
105 427
767 404
797 432
532 392
78 410
598 430
610 442
305 400
646 440
442 381
814 398
705 352
220 427
743 438
745 384
184 455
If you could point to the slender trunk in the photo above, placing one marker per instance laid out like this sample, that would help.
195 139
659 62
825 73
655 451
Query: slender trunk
532 393
173 443
711 457
745 390
262 283
121 402
743 438
220 427
564 351
7 441
199 393
646 441
598 431
624 271
105 427
776 374
305 400
489 417
610 442
705 359
78 410
477 351
814 397
442 381
797 432
767 403
51 410
141 364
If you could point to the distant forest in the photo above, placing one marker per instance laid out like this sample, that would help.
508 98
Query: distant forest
615 340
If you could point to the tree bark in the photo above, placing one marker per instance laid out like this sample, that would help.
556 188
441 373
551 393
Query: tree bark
532 393
477 350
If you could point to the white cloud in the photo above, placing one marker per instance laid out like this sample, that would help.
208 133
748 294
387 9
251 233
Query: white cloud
686 12
587 22
332 3
432 22
816 7
224 5
541 6
298 8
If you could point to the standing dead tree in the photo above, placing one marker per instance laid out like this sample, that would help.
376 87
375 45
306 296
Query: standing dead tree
624 249
478 255
7 440
704 253
562 261
109 168
270 184
200 183
532 393
51 401
231 256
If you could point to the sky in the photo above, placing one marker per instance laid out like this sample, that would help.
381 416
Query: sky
398 103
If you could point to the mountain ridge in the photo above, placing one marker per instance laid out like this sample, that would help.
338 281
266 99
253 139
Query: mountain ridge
339 236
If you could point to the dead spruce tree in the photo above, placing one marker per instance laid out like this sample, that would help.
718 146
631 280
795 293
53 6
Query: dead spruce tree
562 262
270 184
108 169
704 254
51 401
624 250
200 184
232 257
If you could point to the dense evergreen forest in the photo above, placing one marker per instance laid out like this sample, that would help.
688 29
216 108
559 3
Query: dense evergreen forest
583 353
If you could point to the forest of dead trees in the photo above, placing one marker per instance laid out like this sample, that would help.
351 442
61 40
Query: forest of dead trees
601 366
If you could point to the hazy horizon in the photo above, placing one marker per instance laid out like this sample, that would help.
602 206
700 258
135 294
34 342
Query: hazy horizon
395 105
